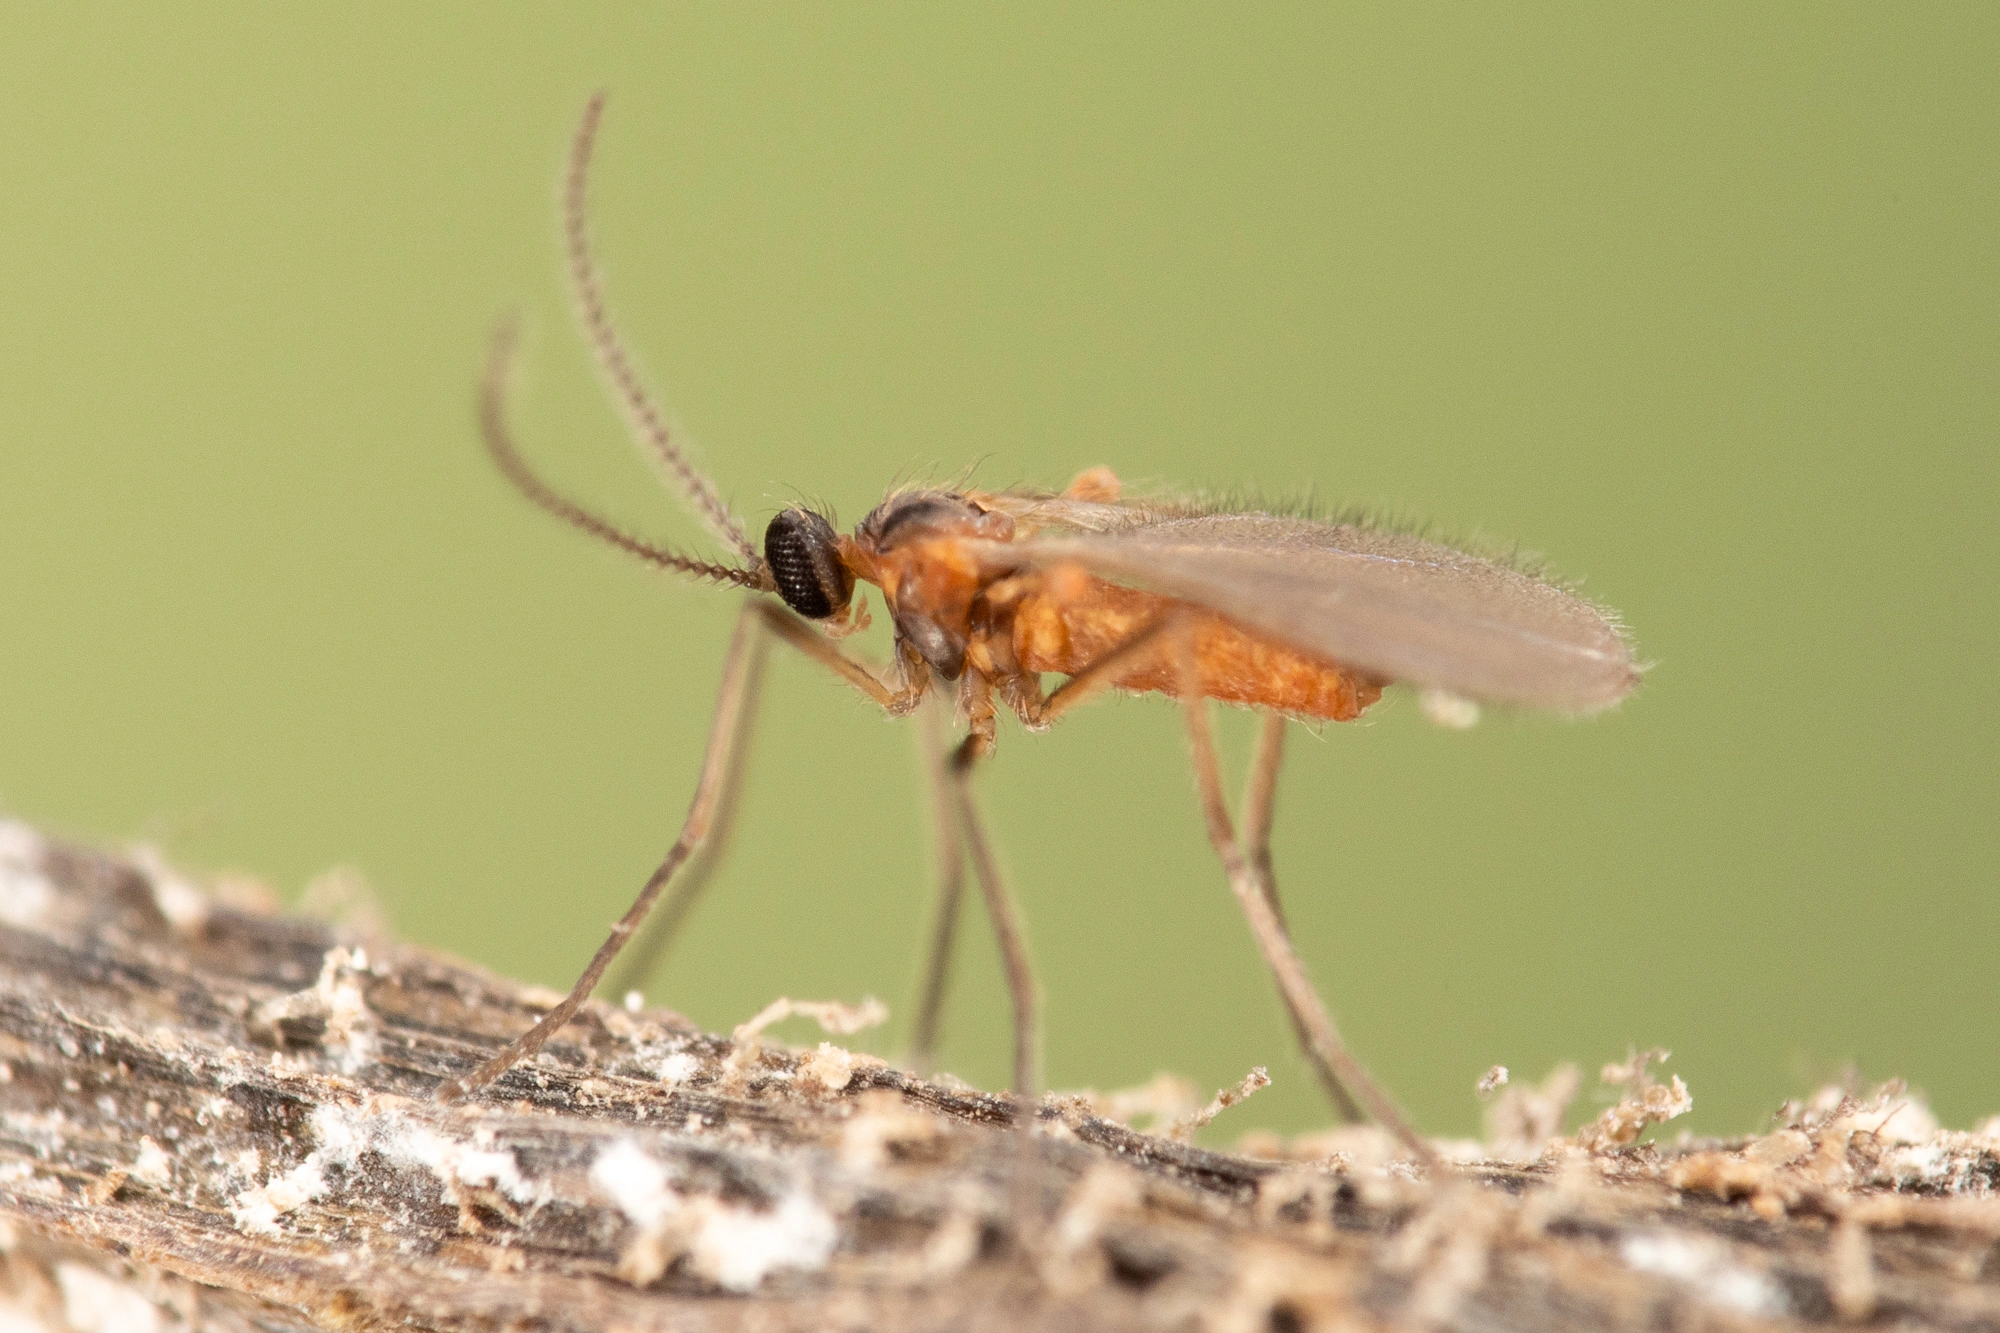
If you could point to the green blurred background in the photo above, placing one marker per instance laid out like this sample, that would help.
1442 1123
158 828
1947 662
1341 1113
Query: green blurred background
1699 302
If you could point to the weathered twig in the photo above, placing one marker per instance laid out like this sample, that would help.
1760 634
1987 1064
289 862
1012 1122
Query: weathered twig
224 1119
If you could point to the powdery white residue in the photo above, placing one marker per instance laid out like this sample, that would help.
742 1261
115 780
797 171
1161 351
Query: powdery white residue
95 1303
152 1165
1705 1266
259 1209
678 1068
735 1248
1914 1163
482 1168
738 1248
344 1132
25 894
635 1182
341 1133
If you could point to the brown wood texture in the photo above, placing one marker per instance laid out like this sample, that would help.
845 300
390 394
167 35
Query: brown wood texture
215 1117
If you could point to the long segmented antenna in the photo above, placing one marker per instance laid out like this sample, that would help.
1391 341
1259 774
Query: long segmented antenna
640 409
500 444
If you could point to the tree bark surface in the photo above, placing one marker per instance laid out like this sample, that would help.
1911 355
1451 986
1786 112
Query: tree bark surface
216 1117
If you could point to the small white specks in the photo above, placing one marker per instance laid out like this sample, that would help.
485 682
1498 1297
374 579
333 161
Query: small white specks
678 1068
634 1002
67 1045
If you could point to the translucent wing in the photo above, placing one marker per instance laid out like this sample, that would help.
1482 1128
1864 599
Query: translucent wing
1395 606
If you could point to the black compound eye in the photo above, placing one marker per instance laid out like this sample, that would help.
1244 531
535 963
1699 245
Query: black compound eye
804 556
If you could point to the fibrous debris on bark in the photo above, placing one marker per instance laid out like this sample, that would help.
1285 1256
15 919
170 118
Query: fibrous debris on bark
216 1117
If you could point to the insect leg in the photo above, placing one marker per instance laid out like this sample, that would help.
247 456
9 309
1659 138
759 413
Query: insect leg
1099 675
1000 909
1321 1040
643 958
737 672
813 644
1259 809
1260 806
950 892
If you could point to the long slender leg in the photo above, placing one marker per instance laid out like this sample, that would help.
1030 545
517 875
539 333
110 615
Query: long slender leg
1260 802
950 891
736 673
1323 1046
813 644
1000 908
643 956
1260 794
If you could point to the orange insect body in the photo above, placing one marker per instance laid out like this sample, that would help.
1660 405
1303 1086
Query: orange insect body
944 565
1072 622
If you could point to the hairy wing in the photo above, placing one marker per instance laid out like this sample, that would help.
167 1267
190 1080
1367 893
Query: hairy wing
1395 606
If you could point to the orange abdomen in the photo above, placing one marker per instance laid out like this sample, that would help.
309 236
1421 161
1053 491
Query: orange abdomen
1071 620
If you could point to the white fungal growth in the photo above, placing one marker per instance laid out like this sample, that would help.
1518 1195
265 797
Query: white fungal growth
25 894
342 1133
258 1210
462 1164
635 1182
735 1248
678 1068
1706 1267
